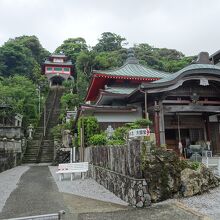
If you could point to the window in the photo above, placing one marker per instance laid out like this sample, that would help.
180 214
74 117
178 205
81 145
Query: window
58 69
66 69
49 68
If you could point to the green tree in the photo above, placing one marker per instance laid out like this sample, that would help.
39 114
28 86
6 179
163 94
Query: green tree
91 127
20 55
72 47
109 42
20 93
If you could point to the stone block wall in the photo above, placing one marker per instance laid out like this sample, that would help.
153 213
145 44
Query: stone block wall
124 160
11 132
131 190
9 159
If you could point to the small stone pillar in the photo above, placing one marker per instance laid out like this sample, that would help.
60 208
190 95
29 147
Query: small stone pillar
30 131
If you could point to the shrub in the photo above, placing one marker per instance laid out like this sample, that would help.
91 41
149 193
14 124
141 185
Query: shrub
115 142
98 140
120 133
143 123
91 127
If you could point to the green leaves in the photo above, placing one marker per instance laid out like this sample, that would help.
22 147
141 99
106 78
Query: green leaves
72 47
20 55
91 127
98 140
109 42
20 93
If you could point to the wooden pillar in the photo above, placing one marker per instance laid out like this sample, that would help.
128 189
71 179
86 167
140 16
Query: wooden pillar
157 123
207 128
145 105
162 126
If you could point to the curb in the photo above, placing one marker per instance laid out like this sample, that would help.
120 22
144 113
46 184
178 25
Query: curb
193 211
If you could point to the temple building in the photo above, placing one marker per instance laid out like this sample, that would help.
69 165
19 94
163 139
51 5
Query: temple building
58 68
184 106
108 91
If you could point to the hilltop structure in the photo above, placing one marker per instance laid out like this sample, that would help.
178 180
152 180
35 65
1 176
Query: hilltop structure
58 68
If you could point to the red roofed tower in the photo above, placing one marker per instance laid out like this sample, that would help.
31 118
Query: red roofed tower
58 68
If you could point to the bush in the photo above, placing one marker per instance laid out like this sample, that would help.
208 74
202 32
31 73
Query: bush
120 133
98 140
115 142
143 123
91 127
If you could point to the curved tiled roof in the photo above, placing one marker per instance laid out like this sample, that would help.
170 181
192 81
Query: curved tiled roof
190 68
134 70
120 90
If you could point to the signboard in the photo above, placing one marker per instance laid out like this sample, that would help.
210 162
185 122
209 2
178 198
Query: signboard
143 132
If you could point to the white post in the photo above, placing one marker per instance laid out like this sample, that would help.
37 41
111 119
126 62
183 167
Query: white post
207 162
71 155
74 154
219 166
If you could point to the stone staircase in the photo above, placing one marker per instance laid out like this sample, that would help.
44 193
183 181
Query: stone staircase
41 148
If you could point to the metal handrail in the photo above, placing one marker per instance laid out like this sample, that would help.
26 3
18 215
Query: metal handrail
54 216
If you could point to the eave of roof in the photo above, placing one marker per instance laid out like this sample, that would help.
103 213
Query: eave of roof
193 69
119 90
106 107
67 63
58 55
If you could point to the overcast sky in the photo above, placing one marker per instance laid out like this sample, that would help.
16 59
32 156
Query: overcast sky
190 26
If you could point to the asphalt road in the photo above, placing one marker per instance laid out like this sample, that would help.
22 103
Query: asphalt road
36 194
157 212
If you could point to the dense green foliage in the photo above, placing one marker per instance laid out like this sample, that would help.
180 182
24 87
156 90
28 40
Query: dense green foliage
72 47
109 42
98 140
90 126
22 55
20 69
20 93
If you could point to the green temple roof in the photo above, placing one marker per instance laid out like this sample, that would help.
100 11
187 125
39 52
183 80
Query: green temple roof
120 90
133 70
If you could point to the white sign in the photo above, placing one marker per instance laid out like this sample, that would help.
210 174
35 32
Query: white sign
204 82
139 132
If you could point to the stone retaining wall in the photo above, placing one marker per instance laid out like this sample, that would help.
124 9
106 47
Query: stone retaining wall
9 159
125 160
131 190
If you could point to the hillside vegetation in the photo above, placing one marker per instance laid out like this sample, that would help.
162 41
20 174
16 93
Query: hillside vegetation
21 59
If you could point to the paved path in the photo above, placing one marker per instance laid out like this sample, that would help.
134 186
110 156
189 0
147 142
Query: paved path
36 194
8 182
157 212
